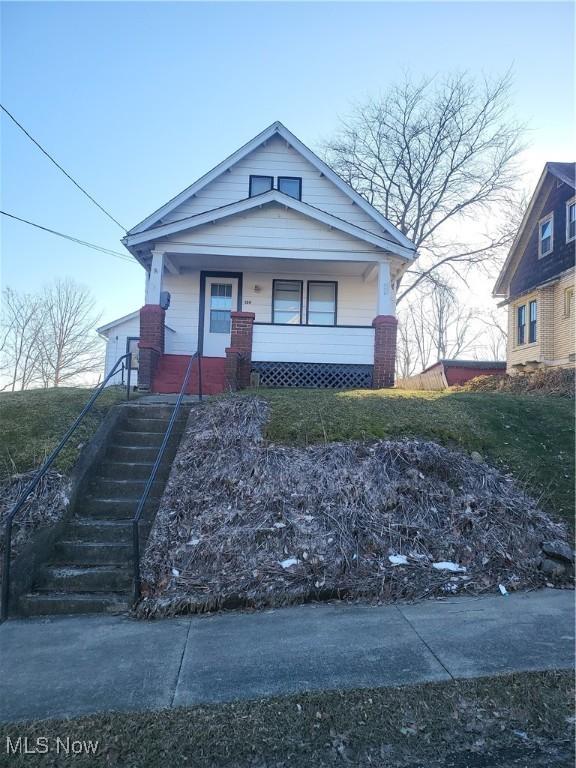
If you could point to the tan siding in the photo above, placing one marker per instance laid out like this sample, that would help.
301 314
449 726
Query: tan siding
555 337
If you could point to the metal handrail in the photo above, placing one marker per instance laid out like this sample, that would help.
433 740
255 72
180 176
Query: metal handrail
21 500
154 472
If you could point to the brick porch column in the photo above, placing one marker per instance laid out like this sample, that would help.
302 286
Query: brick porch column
385 327
151 344
239 353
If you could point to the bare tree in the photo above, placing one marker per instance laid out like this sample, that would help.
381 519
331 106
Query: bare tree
435 326
19 340
494 335
69 345
428 155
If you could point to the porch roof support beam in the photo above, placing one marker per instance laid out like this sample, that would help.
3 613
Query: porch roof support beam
386 293
154 278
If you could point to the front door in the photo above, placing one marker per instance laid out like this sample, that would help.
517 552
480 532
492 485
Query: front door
221 299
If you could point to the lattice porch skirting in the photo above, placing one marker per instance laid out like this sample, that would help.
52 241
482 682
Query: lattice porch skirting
323 375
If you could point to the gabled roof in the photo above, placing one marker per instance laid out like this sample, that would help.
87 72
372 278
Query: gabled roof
250 203
118 321
565 172
113 323
275 129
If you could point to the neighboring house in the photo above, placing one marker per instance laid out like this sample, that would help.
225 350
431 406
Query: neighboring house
537 279
447 373
273 265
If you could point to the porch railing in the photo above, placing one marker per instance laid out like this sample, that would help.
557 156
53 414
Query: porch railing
39 474
150 482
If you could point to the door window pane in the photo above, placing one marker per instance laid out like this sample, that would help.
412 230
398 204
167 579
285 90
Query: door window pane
322 303
220 307
260 184
290 186
287 302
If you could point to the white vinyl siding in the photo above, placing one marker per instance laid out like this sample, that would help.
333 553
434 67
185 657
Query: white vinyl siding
276 159
357 303
304 344
271 227
117 337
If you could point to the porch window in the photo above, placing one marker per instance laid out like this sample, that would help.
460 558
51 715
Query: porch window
290 185
521 327
321 303
287 302
546 236
220 307
533 308
260 184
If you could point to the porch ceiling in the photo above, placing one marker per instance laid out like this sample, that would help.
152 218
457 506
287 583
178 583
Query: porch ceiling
188 262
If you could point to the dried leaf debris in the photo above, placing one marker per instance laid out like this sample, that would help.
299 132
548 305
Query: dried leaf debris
45 505
247 523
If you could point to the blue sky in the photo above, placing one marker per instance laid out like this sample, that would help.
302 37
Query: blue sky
136 100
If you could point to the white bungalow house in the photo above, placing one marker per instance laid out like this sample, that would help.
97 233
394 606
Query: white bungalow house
268 266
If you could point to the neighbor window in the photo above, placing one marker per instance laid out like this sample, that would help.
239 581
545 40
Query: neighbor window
570 220
568 301
287 302
260 184
533 314
321 303
521 327
546 236
132 346
290 185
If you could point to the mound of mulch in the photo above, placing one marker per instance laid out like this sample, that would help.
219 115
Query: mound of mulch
553 381
248 523
44 506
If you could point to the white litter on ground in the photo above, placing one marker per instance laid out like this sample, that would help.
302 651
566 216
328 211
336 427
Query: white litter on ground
398 559
446 565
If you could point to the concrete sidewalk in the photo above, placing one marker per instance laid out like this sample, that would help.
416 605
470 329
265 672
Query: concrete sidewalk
65 667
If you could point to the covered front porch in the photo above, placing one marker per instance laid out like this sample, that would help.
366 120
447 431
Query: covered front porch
310 321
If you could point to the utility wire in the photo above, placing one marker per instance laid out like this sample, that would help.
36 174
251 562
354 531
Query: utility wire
49 156
100 248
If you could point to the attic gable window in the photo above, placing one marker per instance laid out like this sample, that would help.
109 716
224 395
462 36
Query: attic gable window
290 185
260 184
546 236
571 220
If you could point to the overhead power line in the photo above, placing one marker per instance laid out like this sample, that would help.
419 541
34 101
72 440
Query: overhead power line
95 247
49 156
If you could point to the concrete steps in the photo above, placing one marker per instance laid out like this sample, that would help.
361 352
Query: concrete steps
90 569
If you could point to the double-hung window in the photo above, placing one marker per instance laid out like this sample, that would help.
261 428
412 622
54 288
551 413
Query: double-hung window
521 324
260 184
546 236
571 220
533 320
321 308
287 302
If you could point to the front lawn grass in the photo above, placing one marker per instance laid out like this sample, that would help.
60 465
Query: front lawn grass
434 724
530 435
33 422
